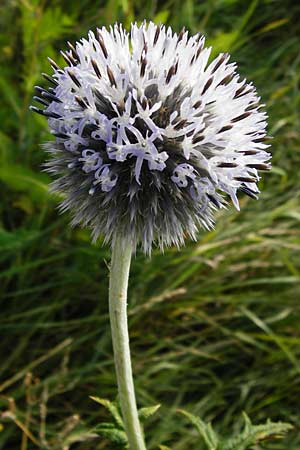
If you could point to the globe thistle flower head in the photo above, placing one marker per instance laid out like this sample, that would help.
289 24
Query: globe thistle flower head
149 135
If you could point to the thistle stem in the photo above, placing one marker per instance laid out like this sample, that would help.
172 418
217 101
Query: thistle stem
119 273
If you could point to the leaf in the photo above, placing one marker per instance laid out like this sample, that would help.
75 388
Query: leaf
205 430
112 408
144 413
223 41
10 95
253 434
163 447
162 16
273 25
6 148
12 240
23 179
79 435
54 23
112 434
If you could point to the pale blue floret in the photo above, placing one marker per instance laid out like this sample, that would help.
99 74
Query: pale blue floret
182 173
91 160
107 179
143 150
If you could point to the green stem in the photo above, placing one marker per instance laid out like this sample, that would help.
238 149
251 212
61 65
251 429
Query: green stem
119 273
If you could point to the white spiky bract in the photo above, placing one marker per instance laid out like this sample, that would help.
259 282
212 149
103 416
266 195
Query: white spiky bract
149 133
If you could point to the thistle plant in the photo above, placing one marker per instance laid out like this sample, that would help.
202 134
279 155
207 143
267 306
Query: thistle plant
150 140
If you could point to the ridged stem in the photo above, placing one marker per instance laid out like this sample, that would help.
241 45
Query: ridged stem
119 273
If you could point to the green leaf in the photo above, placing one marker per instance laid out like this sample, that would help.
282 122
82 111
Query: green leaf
274 24
54 23
112 434
144 413
253 434
205 430
22 179
6 148
112 408
162 16
12 240
10 96
79 435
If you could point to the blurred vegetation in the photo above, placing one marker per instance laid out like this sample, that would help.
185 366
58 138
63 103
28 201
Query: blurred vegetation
214 327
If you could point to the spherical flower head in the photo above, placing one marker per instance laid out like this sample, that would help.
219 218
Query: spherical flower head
149 135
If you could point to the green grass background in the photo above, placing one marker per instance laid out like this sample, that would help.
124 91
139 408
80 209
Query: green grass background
214 327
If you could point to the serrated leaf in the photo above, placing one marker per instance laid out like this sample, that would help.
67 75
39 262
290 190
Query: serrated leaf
205 430
112 408
114 435
253 434
144 413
